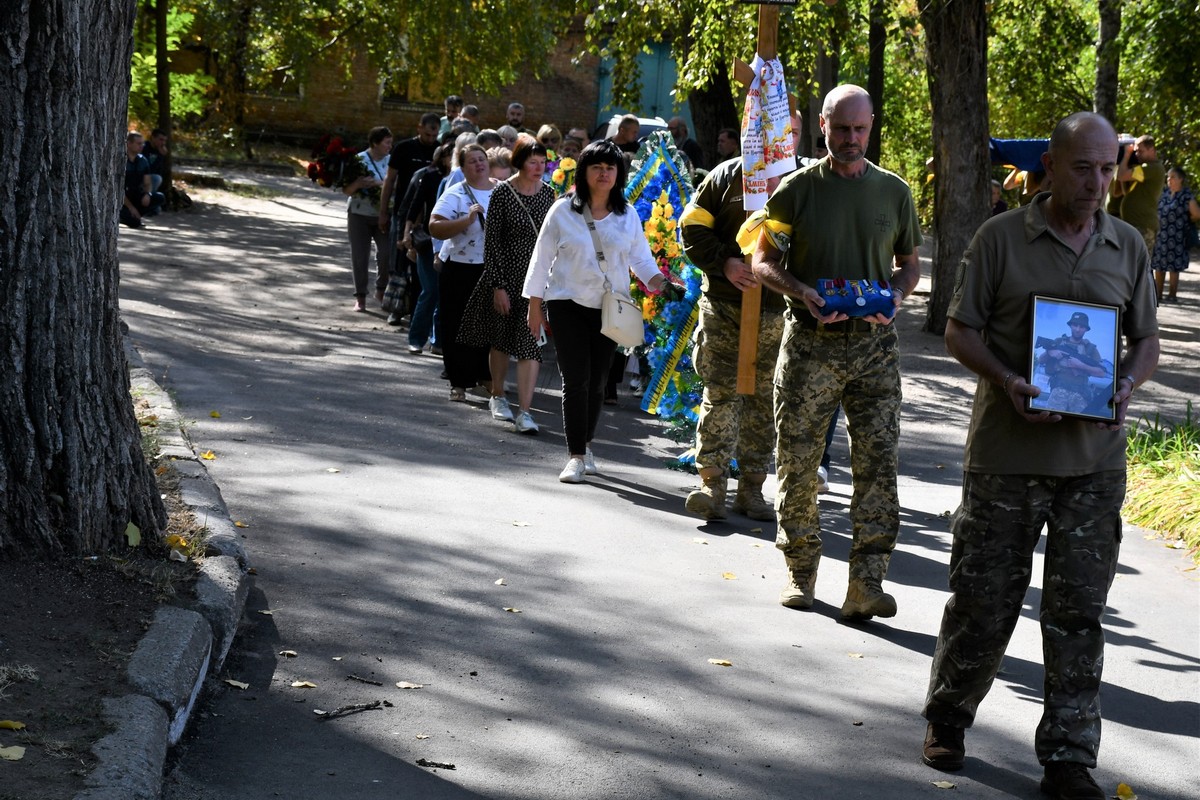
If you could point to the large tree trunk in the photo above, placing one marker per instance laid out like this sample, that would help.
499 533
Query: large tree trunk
72 474
1108 60
713 108
162 75
956 66
877 40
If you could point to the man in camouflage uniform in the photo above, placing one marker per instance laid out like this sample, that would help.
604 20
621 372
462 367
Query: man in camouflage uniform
1061 244
842 217
1068 362
731 425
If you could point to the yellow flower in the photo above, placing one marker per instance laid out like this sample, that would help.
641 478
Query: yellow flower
559 176
668 210
664 198
670 226
567 164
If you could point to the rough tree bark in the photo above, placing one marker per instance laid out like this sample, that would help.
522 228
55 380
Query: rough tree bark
956 65
1108 60
877 41
72 474
162 75
713 108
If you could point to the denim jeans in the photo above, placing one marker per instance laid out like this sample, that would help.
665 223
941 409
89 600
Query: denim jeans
424 324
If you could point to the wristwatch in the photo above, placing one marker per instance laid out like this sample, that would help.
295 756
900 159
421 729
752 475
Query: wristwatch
1132 382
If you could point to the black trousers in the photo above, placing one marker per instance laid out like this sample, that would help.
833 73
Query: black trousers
465 365
584 357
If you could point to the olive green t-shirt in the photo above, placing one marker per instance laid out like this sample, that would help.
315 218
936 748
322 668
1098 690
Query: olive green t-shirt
845 227
1012 256
1139 205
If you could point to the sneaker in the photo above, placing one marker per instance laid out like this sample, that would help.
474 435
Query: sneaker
500 409
944 748
573 472
393 318
524 423
589 462
435 350
865 599
413 349
822 480
1070 780
457 395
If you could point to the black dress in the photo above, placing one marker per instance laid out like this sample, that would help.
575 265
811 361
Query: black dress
513 223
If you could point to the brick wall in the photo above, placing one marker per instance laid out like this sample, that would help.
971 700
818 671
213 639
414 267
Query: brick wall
567 96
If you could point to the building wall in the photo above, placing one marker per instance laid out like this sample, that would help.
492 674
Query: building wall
566 96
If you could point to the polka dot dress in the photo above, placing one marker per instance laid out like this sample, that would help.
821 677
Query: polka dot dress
513 222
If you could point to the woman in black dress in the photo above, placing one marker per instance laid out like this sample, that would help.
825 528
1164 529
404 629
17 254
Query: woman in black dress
495 315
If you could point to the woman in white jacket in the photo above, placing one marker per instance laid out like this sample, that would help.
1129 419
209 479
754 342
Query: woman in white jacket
565 286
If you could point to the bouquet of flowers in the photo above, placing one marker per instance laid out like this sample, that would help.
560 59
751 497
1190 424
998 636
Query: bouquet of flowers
562 174
334 164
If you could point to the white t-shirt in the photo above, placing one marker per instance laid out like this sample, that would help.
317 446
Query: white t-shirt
564 264
467 246
377 169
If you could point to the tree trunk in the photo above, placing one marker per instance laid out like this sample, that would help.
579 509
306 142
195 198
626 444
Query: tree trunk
956 67
72 473
1108 60
713 108
162 74
877 41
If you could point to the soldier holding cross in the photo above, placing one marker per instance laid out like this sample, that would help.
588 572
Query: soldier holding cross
843 217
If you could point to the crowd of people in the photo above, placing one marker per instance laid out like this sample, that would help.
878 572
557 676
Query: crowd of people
502 261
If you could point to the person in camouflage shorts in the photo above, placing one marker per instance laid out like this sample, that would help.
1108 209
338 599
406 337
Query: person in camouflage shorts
1023 471
731 426
842 217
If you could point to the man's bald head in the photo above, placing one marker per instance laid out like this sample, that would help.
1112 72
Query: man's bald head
846 93
1082 123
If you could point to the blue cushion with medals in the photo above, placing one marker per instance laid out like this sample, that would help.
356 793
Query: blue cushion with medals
856 298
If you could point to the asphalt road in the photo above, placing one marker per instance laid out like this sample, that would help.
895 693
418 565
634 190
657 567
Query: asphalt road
390 530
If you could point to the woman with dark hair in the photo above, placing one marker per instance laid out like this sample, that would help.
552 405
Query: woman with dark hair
419 244
566 284
1177 213
459 219
362 217
496 312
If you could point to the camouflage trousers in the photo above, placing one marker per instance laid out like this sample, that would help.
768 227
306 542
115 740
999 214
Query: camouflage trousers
733 425
996 530
817 370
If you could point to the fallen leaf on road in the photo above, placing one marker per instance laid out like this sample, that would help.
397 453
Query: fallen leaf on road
720 662
175 555
215 414
855 655
520 524
513 610
500 582
13 753
161 469
699 540
209 455
11 725
237 684
240 524
756 530
757 544
421 762
303 685
288 653
133 535
857 723
943 784
729 576
422 735
407 685
1125 792
337 658
333 469
268 612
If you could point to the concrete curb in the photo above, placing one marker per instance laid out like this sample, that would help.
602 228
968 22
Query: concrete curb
184 646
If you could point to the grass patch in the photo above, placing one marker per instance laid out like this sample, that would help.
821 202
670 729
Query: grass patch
1164 479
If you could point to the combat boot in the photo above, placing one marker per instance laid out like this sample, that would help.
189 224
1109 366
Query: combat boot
802 583
750 500
709 500
865 599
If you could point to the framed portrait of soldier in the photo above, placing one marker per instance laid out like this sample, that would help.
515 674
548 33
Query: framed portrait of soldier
1073 347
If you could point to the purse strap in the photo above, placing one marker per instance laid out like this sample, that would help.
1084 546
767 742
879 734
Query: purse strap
525 208
591 226
471 196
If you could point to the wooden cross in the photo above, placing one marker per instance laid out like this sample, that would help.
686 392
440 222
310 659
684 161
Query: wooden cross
767 48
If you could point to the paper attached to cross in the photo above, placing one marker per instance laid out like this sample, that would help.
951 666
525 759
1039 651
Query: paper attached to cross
767 149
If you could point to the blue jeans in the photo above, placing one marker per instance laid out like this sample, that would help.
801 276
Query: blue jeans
424 323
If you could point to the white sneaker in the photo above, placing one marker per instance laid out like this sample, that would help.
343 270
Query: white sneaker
524 423
499 408
572 472
822 480
589 463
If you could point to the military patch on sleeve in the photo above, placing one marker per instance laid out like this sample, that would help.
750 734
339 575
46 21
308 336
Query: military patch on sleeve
960 275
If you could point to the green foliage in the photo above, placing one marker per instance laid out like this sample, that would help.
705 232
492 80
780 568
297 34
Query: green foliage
1164 478
189 91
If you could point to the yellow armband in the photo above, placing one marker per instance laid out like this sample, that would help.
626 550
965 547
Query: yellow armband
780 233
695 215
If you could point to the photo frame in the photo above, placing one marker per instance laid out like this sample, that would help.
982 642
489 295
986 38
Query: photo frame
1073 349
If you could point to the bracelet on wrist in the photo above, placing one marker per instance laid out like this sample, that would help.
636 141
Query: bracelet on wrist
1007 378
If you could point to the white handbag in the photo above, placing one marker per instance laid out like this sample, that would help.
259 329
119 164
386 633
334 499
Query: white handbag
620 318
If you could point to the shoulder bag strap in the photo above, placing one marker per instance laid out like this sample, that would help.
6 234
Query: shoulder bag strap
591 225
471 195
525 208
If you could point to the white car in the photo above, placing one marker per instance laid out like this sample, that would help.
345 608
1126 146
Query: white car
648 125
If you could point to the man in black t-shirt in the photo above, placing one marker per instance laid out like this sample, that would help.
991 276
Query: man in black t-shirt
408 156
139 200
155 151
